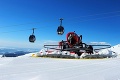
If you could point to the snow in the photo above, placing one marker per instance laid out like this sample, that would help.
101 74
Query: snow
31 68
37 68
113 51
116 49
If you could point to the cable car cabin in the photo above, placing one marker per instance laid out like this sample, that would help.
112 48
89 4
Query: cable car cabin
32 38
60 30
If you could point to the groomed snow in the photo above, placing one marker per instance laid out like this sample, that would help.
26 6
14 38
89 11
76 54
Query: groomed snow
36 68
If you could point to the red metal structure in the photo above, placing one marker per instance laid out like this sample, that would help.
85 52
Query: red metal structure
74 44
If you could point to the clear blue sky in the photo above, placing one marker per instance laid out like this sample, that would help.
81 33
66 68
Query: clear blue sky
96 20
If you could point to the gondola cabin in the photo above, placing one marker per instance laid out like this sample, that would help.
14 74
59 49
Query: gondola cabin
32 38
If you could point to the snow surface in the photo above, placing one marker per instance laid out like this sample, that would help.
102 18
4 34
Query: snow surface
37 68
31 68
113 51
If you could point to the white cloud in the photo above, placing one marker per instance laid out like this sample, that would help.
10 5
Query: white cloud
99 43
26 44
19 44
50 42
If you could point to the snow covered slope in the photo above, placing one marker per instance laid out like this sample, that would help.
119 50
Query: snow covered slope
37 68
31 68
113 51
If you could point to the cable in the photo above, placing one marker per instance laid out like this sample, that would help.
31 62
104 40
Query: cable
90 20
67 18
15 31
79 21
37 28
20 24
99 18
99 14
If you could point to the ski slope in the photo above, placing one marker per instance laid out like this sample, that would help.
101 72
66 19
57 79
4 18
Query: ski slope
32 68
38 68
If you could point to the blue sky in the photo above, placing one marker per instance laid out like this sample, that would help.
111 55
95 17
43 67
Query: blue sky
96 20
